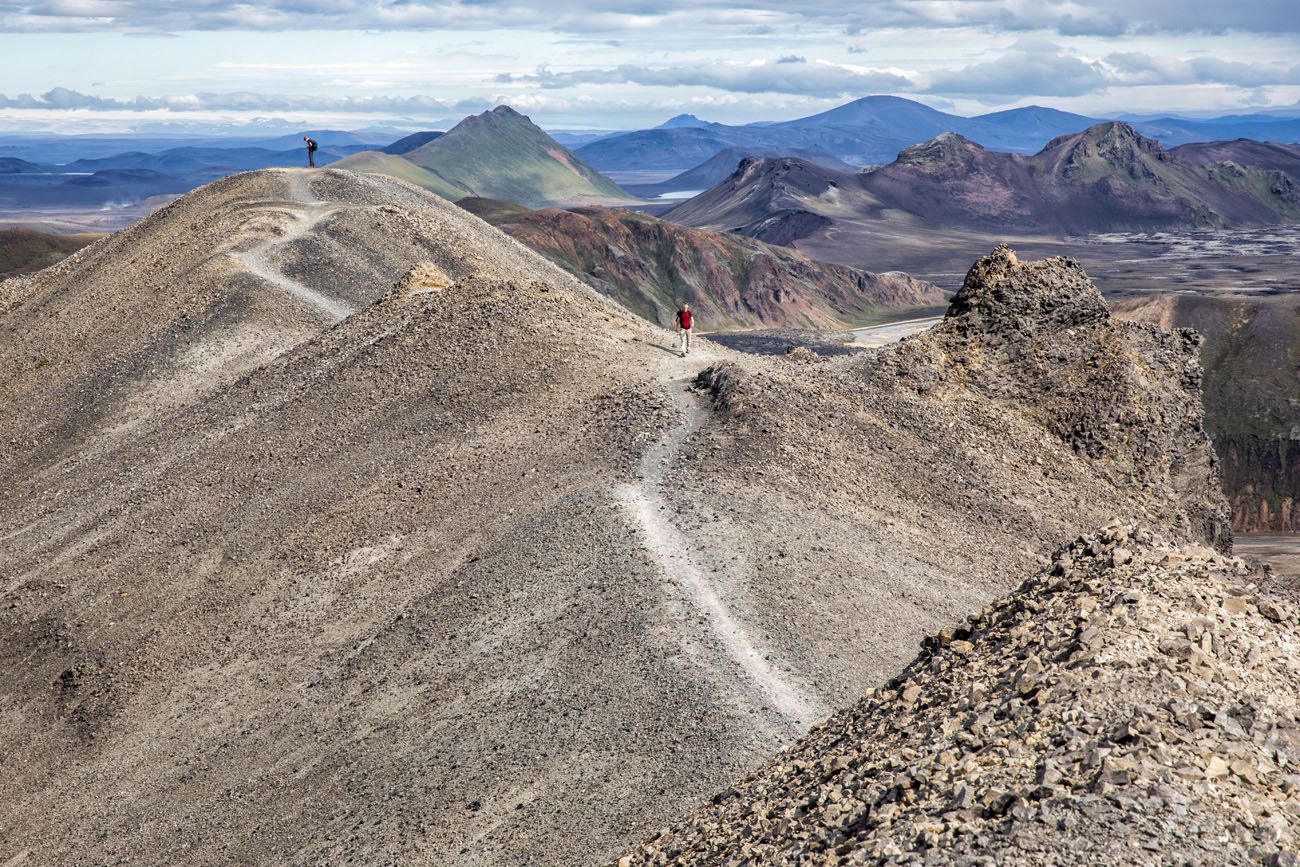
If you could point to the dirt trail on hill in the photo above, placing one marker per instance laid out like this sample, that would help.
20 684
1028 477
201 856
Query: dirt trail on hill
260 262
647 503
469 577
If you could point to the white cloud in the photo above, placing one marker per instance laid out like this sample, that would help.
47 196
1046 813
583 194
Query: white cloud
62 99
790 74
1071 17
1028 69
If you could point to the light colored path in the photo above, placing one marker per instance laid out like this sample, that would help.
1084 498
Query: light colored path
311 213
881 335
646 502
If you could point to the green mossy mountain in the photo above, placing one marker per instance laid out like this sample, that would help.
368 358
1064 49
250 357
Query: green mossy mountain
499 154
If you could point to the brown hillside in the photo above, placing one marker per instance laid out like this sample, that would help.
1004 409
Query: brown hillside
651 266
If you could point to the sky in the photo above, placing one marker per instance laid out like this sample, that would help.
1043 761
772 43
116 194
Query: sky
114 65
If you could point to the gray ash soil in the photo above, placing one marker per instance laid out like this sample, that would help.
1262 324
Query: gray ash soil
466 577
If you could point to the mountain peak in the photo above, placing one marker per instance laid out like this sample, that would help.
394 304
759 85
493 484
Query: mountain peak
1112 139
947 147
502 154
999 287
682 121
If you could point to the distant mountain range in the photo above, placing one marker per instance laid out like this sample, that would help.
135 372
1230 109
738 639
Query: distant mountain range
209 162
499 154
650 266
57 190
872 130
1105 178
133 176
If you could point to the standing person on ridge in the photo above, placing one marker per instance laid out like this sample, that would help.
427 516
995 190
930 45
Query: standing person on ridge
685 320
311 152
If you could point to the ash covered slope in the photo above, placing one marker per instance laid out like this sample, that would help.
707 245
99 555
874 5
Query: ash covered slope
650 266
470 578
1134 703
155 317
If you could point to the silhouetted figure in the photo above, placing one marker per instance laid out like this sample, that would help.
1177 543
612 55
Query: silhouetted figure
311 151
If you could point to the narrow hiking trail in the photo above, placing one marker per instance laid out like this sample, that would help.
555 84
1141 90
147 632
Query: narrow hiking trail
305 213
647 503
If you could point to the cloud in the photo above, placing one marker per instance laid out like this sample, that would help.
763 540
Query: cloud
792 75
1027 70
62 98
1070 18
1076 17
1136 68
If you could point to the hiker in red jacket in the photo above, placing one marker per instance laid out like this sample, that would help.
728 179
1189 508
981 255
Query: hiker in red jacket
685 319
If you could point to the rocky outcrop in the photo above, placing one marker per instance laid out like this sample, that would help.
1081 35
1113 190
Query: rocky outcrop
1134 702
1039 336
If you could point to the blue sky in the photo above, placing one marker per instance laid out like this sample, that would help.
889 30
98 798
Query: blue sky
85 65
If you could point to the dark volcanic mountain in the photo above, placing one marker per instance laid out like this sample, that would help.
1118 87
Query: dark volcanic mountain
1284 158
663 149
721 165
1106 178
650 266
776 200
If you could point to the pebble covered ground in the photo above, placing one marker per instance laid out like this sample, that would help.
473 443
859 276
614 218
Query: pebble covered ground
1133 703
